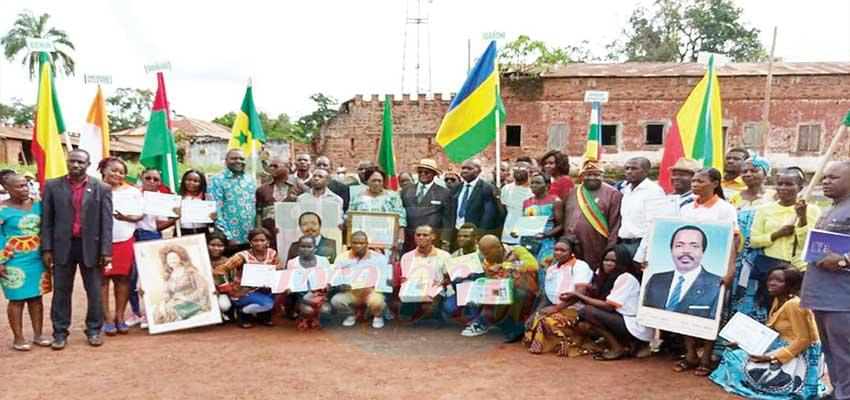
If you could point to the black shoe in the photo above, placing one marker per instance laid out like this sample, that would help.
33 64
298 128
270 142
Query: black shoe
513 338
95 340
59 343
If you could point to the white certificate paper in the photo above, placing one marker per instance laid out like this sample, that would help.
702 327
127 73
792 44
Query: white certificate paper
749 334
462 266
258 275
530 225
197 211
127 202
161 204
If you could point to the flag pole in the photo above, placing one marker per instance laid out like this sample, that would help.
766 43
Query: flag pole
253 148
765 122
498 131
807 192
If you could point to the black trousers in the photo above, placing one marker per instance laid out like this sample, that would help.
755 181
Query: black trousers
63 288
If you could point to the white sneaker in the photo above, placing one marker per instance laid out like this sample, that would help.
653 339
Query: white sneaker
133 320
377 322
474 329
349 321
144 323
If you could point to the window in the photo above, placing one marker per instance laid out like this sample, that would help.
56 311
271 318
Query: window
609 135
513 137
558 136
655 134
352 143
808 138
752 135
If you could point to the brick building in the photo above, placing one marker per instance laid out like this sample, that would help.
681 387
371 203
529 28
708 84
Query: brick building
808 101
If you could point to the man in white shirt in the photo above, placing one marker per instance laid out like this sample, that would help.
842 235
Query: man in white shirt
425 262
637 189
510 198
319 195
347 300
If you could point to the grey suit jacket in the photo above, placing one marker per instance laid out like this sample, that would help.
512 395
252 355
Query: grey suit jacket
700 300
434 210
96 219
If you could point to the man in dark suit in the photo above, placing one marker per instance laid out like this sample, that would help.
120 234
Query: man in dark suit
311 225
339 188
76 229
429 204
689 288
473 200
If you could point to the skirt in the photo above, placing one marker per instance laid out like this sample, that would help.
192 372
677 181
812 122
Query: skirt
122 258
556 333
799 378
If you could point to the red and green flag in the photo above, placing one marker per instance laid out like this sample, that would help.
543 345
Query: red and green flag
48 126
386 155
159 151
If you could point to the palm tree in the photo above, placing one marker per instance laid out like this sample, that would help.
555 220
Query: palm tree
28 25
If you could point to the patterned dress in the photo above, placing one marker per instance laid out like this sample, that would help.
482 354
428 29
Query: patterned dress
21 253
235 204
388 202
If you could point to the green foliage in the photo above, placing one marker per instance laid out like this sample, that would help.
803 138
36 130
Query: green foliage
18 113
28 25
128 108
527 57
308 126
677 31
277 128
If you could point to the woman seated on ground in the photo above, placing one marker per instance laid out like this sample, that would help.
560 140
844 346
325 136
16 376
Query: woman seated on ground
256 302
615 318
552 326
792 366
312 303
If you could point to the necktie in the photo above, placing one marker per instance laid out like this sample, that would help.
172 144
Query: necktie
420 193
677 293
464 197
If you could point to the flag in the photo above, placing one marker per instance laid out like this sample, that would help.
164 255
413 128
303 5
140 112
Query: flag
94 137
470 123
247 127
697 130
48 126
593 149
386 155
159 151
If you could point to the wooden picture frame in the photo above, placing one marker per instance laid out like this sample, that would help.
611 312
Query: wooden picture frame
380 227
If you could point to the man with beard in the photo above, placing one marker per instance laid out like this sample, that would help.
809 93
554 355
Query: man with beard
592 212
732 182
234 192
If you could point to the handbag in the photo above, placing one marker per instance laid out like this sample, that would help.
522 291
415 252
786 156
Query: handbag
187 309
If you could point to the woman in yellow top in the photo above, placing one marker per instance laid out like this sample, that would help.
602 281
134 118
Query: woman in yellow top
792 367
781 227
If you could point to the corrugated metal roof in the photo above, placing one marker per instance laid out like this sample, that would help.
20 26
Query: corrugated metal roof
12 132
648 69
192 127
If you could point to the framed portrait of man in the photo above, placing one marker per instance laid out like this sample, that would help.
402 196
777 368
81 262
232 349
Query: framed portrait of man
293 221
381 228
682 288
176 277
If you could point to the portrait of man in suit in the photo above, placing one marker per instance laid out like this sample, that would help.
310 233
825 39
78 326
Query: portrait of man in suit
689 288
310 224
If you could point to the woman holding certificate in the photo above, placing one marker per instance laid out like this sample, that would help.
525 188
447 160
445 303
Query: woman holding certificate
792 367
377 199
127 212
249 301
193 186
547 204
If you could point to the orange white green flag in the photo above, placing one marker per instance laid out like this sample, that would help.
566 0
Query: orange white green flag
94 137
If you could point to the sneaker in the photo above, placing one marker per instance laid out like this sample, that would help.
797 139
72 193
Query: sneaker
349 321
133 320
474 329
377 322
144 323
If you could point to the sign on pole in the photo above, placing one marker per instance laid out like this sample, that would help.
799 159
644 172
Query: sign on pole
493 36
39 44
595 96
158 67
98 79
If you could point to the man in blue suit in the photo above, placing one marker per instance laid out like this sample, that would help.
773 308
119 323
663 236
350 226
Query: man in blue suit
473 200
689 288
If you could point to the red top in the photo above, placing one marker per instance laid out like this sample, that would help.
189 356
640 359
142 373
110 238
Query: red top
77 190
562 186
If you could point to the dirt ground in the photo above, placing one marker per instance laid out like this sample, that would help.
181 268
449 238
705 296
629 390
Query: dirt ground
423 360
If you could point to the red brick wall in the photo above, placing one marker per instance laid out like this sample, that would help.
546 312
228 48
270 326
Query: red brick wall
822 99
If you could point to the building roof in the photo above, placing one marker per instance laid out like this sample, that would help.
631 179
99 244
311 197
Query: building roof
25 134
652 69
191 127
14 132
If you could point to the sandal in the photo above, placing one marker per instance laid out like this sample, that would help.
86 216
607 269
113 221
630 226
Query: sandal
43 341
122 328
702 370
683 366
109 329
22 347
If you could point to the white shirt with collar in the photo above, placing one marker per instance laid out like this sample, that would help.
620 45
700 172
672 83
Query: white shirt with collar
427 187
681 201
689 276
310 200
633 223
468 186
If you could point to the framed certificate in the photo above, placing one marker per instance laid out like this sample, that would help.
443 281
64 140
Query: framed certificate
382 228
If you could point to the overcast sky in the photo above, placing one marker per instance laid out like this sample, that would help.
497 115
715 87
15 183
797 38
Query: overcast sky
342 48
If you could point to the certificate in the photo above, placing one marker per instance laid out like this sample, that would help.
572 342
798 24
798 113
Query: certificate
381 228
485 291
820 242
463 266
197 211
418 289
530 225
299 280
258 275
161 204
749 334
385 273
127 202
360 277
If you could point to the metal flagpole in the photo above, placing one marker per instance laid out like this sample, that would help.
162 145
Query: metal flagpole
498 131
171 179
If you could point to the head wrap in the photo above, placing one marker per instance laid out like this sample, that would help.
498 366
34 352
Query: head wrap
761 162
590 165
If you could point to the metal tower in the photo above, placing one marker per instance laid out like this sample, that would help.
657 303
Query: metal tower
417 23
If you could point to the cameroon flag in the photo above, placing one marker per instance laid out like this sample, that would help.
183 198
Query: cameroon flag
247 127
158 150
49 126
386 153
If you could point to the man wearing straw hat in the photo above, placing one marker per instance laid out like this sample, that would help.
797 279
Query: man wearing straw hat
427 204
593 213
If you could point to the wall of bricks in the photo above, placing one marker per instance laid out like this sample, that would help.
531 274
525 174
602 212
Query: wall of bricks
634 101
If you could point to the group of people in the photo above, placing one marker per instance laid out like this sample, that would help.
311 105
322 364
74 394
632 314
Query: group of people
576 285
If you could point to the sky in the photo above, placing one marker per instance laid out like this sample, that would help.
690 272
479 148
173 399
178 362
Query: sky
290 50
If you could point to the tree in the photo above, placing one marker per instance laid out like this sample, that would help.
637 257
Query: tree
527 57
277 128
128 108
28 25
678 31
17 114
307 126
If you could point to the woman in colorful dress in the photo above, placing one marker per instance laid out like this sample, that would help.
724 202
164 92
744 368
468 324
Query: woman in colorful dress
248 301
185 291
22 274
118 273
543 203
792 367
377 199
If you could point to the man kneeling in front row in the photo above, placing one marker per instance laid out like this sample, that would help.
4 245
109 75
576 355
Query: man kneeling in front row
347 301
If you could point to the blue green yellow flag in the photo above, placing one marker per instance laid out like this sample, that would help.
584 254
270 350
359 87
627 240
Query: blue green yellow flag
470 123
